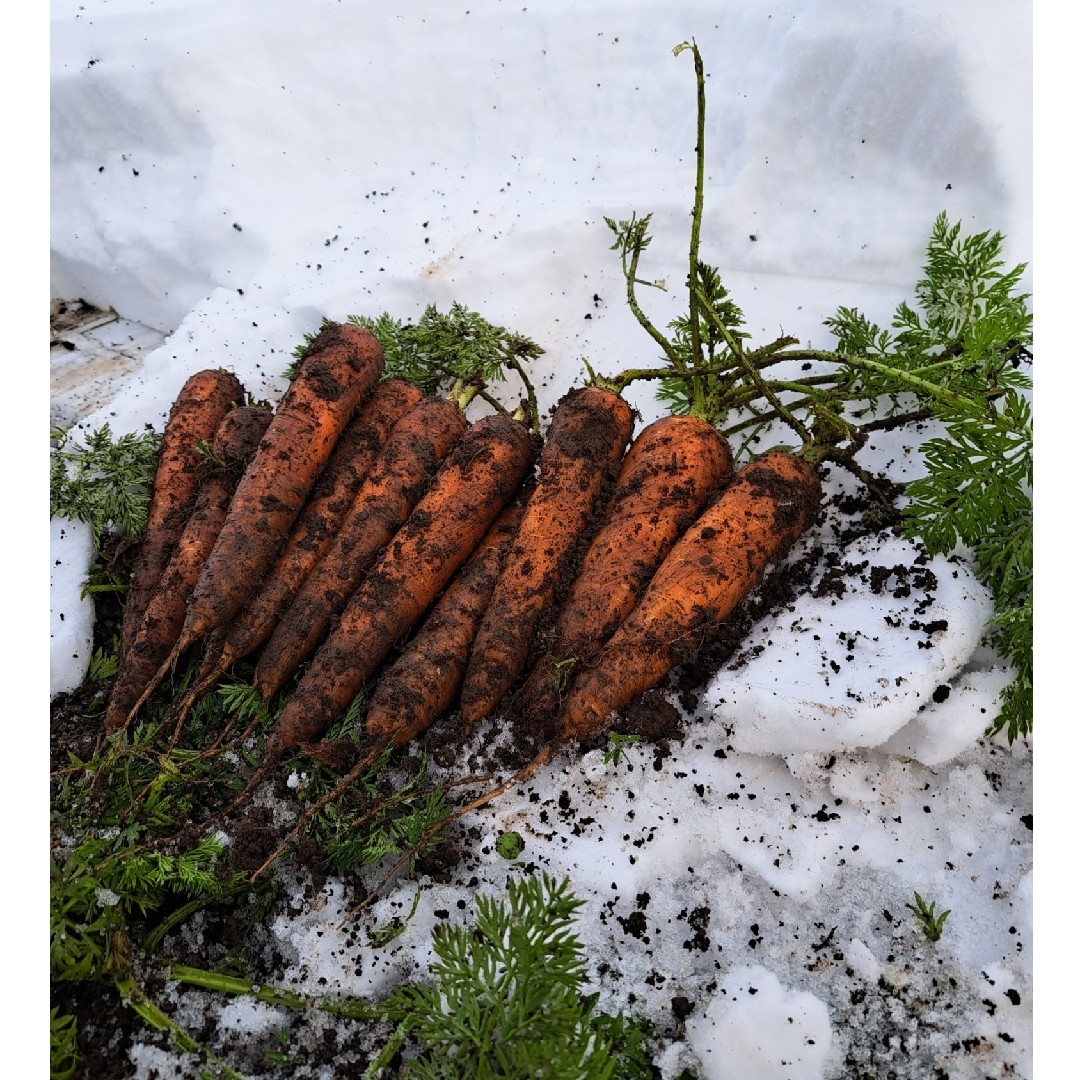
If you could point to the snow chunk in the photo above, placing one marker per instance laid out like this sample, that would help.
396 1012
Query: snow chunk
938 732
883 633
71 617
254 341
756 1029
864 962
250 1016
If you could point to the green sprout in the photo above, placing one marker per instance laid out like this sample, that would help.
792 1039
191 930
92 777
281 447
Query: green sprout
932 924
618 744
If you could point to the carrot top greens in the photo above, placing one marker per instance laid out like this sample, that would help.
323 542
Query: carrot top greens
508 998
960 355
456 353
104 482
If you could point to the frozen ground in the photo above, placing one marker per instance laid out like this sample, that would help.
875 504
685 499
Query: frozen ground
227 174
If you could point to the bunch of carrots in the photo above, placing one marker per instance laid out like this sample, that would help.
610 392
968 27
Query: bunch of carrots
366 544
371 536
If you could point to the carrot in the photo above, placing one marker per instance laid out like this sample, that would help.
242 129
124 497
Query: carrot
420 440
717 562
670 471
476 482
586 439
331 498
233 446
200 406
339 368
426 678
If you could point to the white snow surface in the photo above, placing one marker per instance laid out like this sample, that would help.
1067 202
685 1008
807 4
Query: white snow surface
230 173
825 674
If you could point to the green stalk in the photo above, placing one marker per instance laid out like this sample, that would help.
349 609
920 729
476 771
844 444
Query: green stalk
463 392
349 1008
634 237
533 406
763 357
118 963
910 380
752 372
698 405
167 925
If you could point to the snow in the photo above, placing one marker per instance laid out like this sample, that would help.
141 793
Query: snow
795 697
71 615
755 1026
226 174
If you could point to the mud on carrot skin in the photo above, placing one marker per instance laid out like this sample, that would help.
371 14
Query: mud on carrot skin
331 498
585 441
232 448
199 408
474 485
339 368
673 467
401 474
426 678
715 565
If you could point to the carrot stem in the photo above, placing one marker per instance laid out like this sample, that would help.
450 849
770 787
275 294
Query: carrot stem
698 406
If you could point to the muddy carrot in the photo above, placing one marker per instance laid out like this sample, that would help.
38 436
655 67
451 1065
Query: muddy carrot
716 563
232 448
671 470
426 678
585 441
330 501
200 406
417 445
476 482
339 369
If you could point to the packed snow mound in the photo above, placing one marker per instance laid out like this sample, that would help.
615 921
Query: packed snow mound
876 650
757 1029
71 614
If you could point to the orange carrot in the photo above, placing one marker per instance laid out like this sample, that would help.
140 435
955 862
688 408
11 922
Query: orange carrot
586 439
200 406
419 442
233 446
339 369
331 499
476 482
426 678
670 471
717 562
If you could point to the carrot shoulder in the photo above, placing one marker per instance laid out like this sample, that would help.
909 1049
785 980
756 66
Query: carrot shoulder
671 470
426 678
419 442
233 446
717 562
200 406
585 441
339 369
476 482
